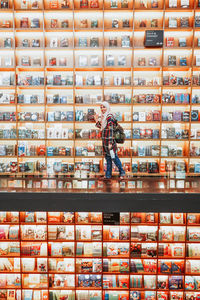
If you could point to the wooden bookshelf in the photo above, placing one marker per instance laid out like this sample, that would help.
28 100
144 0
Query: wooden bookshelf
105 45
106 255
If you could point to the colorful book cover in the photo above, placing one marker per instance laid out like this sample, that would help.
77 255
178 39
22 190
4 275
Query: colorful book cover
135 295
124 266
29 217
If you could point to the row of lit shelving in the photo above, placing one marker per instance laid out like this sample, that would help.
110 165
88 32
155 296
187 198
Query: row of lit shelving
99 5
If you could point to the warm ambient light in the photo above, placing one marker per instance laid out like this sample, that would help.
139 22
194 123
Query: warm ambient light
65 59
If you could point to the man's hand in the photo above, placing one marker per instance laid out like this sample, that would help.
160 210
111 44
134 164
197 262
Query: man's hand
109 147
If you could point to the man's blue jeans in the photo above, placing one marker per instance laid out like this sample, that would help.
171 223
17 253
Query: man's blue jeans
109 165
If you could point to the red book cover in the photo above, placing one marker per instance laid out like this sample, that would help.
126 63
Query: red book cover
83 3
24 23
94 4
123 281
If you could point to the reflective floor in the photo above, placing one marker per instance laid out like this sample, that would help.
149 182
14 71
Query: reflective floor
170 184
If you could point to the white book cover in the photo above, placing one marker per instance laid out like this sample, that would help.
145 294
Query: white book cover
34 4
142 116
193 133
180 184
69 230
16 264
58 133
40 217
164 151
85 232
172 22
8 61
88 248
82 295
61 266
165 218
172 3
65 133
36 295
24 4
198 60
11 295
97 80
27 294
69 264
53 43
52 264
50 133
177 218
79 80
42 264
185 3
83 61
84 182
114 233
28 264
56 249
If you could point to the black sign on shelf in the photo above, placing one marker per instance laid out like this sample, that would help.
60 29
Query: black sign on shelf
111 219
153 38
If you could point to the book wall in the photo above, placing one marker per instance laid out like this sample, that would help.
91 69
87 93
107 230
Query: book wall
60 59
87 255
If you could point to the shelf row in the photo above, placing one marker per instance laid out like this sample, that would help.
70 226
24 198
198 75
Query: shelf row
99 218
134 182
123 98
112 249
85 167
95 294
58 39
97 233
38 79
177 132
68 115
55 38
108 266
99 4
99 21
137 150
99 282
110 60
